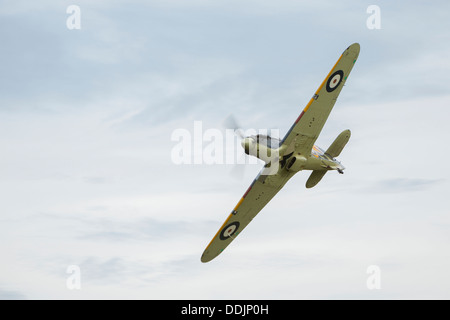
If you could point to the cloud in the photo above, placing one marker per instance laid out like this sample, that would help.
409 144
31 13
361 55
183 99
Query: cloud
11 295
402 185
87 179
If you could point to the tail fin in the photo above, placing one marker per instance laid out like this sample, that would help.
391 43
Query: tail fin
338 144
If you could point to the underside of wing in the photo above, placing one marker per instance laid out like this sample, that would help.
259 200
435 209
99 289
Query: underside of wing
309 124
260 192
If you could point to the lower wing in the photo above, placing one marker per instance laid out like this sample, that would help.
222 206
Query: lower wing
260 192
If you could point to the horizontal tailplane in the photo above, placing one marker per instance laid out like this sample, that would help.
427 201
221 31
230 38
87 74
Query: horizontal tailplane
315 177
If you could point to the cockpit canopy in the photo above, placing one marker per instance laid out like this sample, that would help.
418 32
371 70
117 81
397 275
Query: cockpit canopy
267 141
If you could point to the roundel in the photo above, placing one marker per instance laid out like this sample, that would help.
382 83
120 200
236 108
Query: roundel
334 80
229 230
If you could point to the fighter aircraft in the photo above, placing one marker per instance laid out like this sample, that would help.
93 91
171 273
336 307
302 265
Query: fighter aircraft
294 153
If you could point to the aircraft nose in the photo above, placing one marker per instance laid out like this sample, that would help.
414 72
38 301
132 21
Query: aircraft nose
246 143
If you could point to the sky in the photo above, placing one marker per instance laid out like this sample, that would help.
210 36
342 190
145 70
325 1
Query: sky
88 181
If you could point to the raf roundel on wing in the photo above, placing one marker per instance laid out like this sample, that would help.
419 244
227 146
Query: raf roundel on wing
229 230
334 80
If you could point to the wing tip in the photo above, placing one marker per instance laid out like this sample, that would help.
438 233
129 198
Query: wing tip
348 132
206 257
353 49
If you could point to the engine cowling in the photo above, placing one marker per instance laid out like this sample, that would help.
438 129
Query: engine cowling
259 150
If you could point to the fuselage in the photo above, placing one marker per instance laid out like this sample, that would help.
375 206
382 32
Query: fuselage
267 149
319 158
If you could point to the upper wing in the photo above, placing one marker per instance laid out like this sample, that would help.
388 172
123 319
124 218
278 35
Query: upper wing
260 192
304 132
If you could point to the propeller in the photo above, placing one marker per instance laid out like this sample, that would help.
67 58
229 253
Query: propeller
238 170
231 123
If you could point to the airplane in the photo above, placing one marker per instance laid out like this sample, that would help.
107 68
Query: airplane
294 153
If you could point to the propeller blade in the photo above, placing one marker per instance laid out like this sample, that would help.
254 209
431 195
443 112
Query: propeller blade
239 168
231 123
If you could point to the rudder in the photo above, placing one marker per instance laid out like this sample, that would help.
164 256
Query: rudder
338 144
